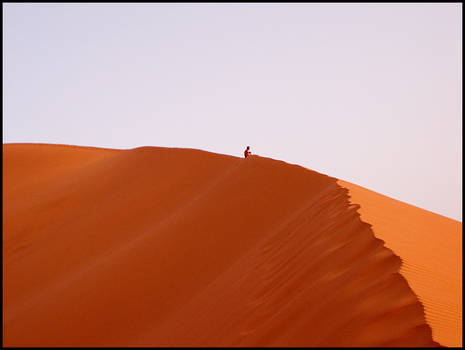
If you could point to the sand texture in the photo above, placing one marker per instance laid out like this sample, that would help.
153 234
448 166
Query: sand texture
181 247
430 246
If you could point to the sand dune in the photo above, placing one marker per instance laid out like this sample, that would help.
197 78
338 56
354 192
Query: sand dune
181 247
430 246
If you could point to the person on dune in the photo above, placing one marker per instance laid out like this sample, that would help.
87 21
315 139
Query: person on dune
247 152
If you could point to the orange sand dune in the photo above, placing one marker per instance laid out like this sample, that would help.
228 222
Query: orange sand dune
430 246
181 247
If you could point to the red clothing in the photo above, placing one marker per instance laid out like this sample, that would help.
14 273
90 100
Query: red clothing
246 153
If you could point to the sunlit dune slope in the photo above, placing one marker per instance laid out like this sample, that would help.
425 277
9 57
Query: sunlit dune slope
430 246
162 246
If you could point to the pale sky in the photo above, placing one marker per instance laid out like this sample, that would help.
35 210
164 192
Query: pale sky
368 93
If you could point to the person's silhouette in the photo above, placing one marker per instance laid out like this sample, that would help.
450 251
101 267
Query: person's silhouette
247 152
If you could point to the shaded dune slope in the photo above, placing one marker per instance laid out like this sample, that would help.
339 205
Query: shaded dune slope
158 246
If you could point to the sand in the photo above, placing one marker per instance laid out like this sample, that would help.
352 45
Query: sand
430 246
181 247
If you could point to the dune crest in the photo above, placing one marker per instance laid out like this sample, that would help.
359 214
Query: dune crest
431 249
181 247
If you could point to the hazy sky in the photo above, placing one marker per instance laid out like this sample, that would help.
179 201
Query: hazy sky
367 93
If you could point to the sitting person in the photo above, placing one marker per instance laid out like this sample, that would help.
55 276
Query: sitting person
247 152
